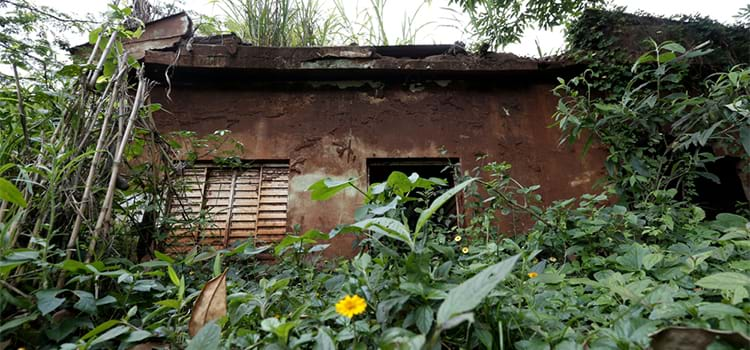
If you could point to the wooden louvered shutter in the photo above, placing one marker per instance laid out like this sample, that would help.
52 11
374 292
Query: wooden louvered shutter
273 198
185 208
236 204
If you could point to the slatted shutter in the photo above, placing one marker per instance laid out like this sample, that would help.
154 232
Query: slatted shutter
219 206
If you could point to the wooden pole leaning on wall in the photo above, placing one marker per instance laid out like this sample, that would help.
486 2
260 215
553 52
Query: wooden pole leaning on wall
109 196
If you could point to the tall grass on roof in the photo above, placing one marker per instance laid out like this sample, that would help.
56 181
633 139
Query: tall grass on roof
312 23
280 22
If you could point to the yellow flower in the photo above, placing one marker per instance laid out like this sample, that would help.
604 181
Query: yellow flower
532 274
457 238
351 305
465 250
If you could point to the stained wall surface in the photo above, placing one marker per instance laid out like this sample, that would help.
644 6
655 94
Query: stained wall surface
330 130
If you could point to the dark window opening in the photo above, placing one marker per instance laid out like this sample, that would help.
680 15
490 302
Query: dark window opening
378 170
716 198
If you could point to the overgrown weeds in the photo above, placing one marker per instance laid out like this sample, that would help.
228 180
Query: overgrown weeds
601 271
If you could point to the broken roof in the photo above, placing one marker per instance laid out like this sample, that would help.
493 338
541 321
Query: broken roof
169 44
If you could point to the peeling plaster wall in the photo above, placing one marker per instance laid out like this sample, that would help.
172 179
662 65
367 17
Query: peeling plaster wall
330 129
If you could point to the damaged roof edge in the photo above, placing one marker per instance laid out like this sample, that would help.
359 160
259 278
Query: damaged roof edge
227 55
356 62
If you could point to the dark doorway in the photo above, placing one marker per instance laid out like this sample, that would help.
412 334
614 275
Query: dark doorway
378 170
716 198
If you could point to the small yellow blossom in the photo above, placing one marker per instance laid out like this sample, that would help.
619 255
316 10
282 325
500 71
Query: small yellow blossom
532 275
465 250
457 238
552 259
351 305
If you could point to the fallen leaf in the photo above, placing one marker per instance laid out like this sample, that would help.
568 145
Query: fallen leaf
211 304
150 346
686 338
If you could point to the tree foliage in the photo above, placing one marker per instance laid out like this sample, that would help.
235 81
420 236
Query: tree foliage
502 22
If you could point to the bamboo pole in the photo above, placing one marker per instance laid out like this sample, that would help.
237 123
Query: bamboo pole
98 69
21 109
55 134
3 208
107 203
73 239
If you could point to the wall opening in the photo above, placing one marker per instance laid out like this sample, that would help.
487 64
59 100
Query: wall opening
378 170
716 198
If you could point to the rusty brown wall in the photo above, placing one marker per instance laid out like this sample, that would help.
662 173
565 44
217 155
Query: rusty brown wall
331 130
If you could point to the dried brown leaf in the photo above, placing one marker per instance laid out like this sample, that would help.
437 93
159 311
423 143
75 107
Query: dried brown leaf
211 304
686 338
151 346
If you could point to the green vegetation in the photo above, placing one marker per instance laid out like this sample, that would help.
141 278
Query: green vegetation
603 271
502 22
310 23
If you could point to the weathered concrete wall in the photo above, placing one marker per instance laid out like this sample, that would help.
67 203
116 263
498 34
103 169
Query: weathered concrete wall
328 130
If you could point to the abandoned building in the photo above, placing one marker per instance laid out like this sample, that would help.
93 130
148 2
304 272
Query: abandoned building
307 113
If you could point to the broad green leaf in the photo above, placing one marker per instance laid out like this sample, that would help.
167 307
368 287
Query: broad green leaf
72 265
10 193
326 188
674 47
424 318
548 278
288 241
5 167
163 257
323 341
18 321
724 281
111 334
94 35
745 139
208 338
170 303
137 336
728 220
387 227
269 324
668 311
314 235
100 328
106 300
437 203
86 302
386 208
650 260
282 330
467 295
399 183
719 311
15 259
47 300
739 294
456 320
173 276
